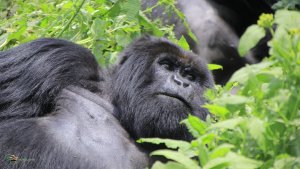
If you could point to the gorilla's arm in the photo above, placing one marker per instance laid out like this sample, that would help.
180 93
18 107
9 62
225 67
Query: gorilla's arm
82 133
33 74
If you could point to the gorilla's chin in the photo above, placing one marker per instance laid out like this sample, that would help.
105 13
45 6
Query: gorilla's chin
158 118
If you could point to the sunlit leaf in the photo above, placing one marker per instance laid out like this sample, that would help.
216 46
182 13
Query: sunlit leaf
214 66
288 19
250 38
168 165
183 43
178 157
173 144
228 124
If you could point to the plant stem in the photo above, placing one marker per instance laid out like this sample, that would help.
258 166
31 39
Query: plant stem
71 20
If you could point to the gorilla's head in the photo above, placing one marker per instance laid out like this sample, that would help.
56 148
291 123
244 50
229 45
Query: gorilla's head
156 84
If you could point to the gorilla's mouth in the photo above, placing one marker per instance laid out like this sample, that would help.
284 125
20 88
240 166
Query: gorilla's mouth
176 96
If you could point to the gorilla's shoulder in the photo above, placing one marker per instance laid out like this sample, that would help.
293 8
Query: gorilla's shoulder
82 97
88 119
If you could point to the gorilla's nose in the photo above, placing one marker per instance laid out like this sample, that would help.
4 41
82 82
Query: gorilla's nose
180 81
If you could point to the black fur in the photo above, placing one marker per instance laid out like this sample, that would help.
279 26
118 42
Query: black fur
34 73
59 110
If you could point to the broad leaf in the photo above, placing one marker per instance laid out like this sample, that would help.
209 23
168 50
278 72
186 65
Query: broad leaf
250 38
178 157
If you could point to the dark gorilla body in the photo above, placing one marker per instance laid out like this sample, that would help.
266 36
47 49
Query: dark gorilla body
59 110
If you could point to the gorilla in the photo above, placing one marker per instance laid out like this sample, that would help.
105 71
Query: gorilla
58 109
217 25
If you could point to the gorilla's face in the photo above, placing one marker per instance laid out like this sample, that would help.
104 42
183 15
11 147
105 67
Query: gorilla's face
157 86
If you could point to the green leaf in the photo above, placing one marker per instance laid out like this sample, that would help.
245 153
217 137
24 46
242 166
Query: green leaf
281 44
122 38
197 124
241 162
250 38
173 144
218 163
295 122
264 77
228 124
217 110
242 75
285 161
67 5
191 129
232 100
97 28
131 9
288 19
208 138
168 165
148 26
183 43
220 151
235 161
257 129
203 153
3 40
214 66
115 10
178 157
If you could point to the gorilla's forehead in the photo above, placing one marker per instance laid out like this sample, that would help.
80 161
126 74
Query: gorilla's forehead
162 45
150 48
184 57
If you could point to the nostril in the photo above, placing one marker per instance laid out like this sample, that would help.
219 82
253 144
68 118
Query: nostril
176 80
185 85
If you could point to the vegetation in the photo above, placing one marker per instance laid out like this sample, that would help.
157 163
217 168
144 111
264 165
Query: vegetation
104 26
255 121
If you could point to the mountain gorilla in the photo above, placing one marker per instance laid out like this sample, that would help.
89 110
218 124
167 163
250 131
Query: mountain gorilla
217 25
58 109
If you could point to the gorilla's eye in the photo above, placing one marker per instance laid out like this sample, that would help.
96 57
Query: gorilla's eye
168 67
191 77
189 74
167 64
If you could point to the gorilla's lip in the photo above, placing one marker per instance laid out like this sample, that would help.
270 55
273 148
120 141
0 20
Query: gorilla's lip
176 96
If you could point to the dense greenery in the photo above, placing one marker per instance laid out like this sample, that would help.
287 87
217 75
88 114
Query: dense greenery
104 26
255 121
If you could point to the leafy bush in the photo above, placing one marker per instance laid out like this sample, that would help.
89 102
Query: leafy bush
104 26
259 125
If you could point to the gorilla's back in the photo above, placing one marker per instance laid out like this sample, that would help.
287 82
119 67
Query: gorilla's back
82 133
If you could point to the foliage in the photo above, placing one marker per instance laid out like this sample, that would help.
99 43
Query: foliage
104 26
257 112
287 4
